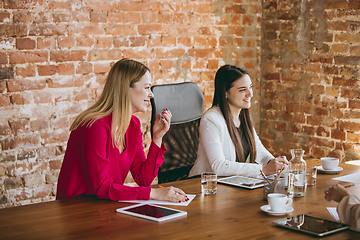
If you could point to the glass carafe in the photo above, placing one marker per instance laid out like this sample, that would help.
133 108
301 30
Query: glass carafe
297 174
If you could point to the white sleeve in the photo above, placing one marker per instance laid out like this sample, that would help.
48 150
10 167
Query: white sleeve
349 211
210 135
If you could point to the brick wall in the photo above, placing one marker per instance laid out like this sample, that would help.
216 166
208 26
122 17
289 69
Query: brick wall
310 89
54 56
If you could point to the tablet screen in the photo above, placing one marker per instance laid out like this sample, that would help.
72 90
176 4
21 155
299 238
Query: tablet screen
312 225
241 181
152 211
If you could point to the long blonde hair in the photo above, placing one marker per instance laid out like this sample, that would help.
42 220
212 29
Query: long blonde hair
115 100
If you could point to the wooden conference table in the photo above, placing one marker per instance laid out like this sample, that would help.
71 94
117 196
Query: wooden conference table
233 213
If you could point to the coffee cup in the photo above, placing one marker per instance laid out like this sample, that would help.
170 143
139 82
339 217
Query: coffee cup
278 201
329 163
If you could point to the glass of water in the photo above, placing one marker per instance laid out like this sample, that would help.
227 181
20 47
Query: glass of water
208 183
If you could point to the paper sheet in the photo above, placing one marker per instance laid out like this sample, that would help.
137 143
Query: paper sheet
333 212
190 196
353 178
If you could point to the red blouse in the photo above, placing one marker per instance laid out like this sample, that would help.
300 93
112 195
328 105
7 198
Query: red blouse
92 165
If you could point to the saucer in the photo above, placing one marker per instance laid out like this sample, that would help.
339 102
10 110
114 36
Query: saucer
333 171
267 209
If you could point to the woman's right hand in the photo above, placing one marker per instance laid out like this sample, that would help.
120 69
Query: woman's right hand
336 193
275 165
171 194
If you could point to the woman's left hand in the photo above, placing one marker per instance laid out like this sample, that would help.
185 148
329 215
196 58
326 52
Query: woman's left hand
161 126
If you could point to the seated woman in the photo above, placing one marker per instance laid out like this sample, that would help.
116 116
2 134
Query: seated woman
348 207
106 142
228 142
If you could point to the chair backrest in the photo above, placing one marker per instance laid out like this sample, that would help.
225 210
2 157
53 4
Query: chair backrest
186 102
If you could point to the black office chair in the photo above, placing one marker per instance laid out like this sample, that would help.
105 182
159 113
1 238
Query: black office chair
185 101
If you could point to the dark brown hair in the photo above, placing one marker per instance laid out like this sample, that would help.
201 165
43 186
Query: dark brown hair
224 80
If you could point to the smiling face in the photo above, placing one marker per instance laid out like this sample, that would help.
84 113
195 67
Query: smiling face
240 94
140 93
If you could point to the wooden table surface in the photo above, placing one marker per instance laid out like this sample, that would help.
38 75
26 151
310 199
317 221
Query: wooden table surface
233 213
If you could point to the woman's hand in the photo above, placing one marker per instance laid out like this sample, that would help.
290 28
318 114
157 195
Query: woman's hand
336 193
161 126
171 194
275 165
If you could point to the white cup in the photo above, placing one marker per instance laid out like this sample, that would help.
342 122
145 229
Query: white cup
329 163
278 201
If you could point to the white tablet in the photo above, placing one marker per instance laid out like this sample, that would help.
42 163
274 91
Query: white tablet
151 212
311 225
244 182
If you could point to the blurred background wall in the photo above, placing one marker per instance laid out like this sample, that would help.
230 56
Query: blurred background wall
303 57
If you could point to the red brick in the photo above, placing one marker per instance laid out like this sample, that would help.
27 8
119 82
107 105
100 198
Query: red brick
66 42
352 60
320 121
3 58
137 41
85 41
65 82
321 142
162 17
353 137
354 104
4 16
24 72
27 57
62 96
136 54
38 125
121 42
20 99
337 4
47 70
345 82
55 164
354 4
63 56
105 55
6 72
43 97
19 126
341 48
321 111
47 30
83 94
4 101
58 6
350 126
46 43
55 137
62 17
322 132
117 17
122 30
85 29
338 134
66 68
84 68
104 42
98 17
25 43
2 86
149 29
102 68
350 93
200 53
25 84
13 30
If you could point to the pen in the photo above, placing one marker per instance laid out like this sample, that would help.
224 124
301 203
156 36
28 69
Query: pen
264 176
161 186
347 186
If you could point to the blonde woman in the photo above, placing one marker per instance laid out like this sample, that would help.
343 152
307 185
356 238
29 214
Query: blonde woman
106 142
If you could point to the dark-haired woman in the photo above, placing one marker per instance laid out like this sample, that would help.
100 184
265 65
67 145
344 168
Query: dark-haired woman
228 143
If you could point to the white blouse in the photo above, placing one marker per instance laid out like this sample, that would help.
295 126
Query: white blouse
216 151
349 211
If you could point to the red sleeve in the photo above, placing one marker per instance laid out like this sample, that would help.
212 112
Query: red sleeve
97 139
